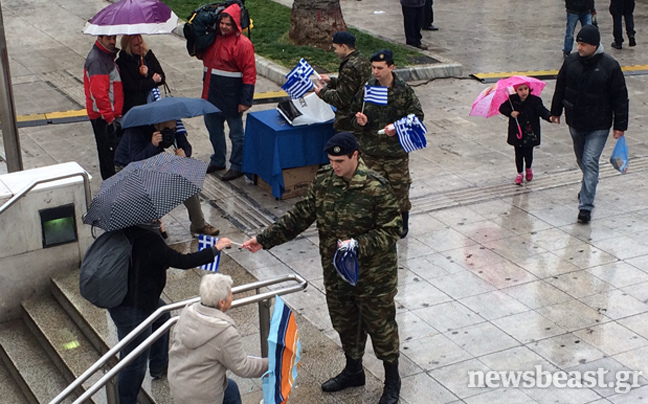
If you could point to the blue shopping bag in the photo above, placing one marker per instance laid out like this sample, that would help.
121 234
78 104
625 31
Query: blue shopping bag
619 157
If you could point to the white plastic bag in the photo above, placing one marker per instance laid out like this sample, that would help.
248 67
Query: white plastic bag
306 111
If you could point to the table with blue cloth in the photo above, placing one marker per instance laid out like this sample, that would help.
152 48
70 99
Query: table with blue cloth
272 145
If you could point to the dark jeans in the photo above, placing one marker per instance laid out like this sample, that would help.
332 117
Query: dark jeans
622 9
523 155
413 22
428 13
215 124
129 380
106 145
232 394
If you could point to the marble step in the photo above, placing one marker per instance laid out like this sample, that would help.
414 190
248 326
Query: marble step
99 329
64 342
26 360
9 389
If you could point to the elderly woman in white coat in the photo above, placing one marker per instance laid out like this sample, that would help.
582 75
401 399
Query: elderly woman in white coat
206 344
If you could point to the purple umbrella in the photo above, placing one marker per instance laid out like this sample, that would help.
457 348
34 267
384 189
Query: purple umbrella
132 17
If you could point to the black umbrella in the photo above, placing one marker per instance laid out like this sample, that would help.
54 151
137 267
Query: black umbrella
145 190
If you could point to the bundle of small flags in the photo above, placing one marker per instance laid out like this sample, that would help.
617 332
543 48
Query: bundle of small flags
298 80
411 133
345 261
207 242
375 94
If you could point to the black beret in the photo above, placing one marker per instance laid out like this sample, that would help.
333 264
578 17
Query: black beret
344 38
341 144
589 34
383 55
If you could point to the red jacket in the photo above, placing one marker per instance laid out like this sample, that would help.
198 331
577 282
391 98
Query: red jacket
102 84
230 69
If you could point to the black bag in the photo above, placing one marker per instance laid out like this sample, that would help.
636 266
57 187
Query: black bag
202 25
103 280
529 138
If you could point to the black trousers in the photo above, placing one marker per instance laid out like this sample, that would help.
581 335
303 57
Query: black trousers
106 145
413 22
622 9
523 158
428 13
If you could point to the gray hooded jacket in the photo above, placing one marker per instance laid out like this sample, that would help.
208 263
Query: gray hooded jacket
207 343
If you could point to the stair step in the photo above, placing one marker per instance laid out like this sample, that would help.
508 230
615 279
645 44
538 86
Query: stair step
38 377
9 389
64 342
98 327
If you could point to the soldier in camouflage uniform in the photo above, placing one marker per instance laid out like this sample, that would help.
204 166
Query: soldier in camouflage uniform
347 201
383 153
354 72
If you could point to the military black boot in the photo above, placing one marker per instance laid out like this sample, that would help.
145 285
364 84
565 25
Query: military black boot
352 376
392 383
405 224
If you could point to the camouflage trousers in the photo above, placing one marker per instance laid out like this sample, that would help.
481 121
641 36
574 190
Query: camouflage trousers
354 317
396 171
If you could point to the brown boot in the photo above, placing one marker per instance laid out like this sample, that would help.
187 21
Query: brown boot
392 383
352 376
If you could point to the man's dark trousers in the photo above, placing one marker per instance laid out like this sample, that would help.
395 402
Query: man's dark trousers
622 9
413 22
428 13
106 145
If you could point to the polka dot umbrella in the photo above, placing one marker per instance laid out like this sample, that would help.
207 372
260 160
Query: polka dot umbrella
145 191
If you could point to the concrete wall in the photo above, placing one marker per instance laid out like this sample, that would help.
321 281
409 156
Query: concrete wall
25 266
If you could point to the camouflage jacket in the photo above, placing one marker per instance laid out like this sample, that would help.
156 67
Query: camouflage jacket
401 102
355 71
364 208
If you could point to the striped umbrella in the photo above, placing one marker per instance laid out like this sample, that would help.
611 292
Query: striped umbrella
145 190
284 355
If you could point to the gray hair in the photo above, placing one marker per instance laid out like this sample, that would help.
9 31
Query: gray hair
214 288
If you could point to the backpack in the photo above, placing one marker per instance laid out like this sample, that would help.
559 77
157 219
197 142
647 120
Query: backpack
202 25
103 280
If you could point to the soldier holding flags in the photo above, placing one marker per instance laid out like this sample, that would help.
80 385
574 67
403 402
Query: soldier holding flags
383 153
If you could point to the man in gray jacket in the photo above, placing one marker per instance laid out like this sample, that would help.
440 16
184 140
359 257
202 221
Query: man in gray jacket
206 344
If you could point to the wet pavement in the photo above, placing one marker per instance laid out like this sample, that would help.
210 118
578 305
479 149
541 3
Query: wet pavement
493 276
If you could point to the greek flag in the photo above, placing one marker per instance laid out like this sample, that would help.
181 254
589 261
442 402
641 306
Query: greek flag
303 70
375 94
411 133
154 96
208 242
297 87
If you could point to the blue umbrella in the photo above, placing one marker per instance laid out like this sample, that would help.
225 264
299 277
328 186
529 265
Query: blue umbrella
145 190
346 261
167 109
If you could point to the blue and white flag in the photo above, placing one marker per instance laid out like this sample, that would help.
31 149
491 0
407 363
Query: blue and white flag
411 133
302 70
155 95
375 94
297 87
298 81
207 242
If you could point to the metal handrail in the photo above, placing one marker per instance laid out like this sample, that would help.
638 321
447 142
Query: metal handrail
258 298
15 198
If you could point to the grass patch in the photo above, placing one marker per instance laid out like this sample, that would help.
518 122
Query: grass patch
270 36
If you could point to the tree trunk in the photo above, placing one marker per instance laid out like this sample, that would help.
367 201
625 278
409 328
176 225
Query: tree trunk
313 22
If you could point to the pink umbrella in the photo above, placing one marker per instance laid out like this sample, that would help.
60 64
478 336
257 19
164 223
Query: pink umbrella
488 101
